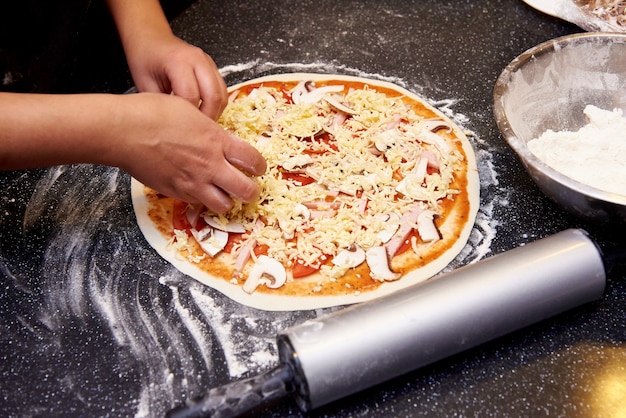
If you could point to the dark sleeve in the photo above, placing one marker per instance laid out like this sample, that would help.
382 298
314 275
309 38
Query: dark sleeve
38 41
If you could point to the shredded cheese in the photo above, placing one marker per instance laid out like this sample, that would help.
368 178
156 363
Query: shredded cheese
360 167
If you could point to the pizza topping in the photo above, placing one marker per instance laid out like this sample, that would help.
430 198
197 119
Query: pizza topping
267 271
222 224
299 214
296 161
436 124
350 257
306 92
434 139
426 227
385 140
245 253
338 105
192 213
613 11
407 224
378 262
391 225
211 240
352 173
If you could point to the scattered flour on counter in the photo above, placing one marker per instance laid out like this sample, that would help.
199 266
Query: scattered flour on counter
594 155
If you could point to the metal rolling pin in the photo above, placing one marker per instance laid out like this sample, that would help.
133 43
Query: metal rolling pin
367 344
337 355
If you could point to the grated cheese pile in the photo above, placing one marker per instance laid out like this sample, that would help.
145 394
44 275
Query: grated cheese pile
593 155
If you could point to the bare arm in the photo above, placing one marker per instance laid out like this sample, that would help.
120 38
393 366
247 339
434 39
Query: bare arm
162 140
161 62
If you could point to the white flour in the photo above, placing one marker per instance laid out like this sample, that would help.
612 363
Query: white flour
594 155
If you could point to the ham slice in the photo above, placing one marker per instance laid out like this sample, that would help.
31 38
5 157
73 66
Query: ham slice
407 224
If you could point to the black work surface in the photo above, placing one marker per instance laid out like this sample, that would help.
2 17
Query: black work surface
94 323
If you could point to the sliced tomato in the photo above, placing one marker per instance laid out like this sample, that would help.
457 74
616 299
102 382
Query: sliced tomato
301 178
248 89
233 238
325 138
179 217
261 249
286 95
201 223
406 245
310 151
300 270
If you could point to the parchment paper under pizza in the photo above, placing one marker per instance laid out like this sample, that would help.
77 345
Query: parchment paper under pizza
369 190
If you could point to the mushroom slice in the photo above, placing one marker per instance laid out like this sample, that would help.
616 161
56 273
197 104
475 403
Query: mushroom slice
436 124
338 105
211 240
386 140
305 92
299 215
378 262
268 271
392 224
298 91
297 161
426 227
300 211
223 225
421 169
434 139
350 257
411 186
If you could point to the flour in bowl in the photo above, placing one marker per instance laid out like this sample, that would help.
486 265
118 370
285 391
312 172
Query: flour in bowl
594 155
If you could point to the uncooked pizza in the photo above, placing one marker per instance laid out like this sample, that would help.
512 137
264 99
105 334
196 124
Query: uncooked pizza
368 190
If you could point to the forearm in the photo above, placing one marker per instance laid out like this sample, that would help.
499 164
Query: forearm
43 130
136 18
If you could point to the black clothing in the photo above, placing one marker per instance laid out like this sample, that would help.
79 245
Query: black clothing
68 46
39 42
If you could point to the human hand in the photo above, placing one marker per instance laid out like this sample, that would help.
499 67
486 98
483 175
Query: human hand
171 147
164 63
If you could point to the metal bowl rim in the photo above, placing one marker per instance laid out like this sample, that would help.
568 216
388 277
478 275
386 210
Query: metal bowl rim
520 146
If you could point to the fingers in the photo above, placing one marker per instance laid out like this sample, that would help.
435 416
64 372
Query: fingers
227 184
203 86
244 156
229 181
185 86
148 84
219 181
214 97
213 90
215 199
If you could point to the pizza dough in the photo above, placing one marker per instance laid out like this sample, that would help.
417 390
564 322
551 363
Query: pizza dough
321 290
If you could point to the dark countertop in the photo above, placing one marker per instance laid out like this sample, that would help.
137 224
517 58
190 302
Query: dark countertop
94 323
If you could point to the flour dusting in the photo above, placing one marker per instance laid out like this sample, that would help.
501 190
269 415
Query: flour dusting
156 335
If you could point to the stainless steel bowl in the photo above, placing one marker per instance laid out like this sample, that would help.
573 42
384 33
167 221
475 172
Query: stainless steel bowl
547 87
